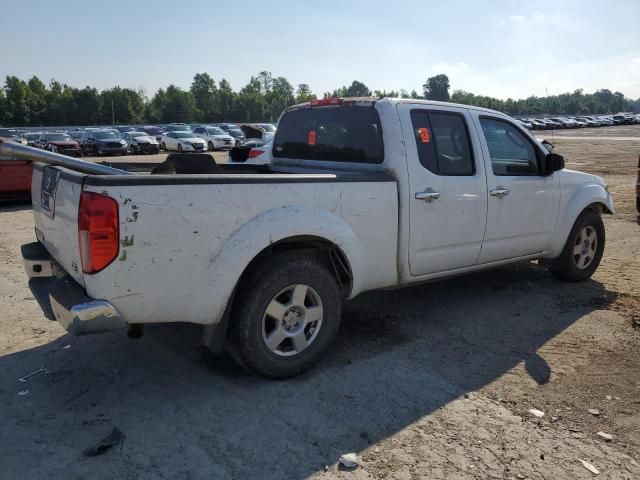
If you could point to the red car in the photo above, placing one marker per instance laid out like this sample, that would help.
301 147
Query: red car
15 179
59 142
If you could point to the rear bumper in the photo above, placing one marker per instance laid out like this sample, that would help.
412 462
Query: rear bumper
78 313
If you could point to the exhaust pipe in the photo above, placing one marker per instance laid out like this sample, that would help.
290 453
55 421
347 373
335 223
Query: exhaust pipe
10 150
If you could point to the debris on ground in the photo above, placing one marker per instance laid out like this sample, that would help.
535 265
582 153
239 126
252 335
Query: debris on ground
348 460
116 437
23 393
536 413
594 411
40 370
590 467
607 436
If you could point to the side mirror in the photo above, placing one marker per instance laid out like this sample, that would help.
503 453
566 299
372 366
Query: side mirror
548 145
553 162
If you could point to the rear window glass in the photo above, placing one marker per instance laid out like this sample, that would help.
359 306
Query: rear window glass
334 134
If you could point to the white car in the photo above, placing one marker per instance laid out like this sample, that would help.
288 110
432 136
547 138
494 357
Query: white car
216 138
182 142
140 142
252 152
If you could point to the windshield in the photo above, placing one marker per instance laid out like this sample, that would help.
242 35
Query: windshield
58 137
32 136
236 132
106 135
215 131
184 135
138 134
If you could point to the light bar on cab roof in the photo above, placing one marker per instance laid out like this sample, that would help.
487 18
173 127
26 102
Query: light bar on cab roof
323 102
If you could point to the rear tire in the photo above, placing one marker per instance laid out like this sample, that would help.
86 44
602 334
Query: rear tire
286 314
583 250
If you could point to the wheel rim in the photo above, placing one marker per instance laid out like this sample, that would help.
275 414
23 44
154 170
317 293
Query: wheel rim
584 248
292 320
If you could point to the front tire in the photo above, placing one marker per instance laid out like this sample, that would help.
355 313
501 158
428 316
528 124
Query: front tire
210 146
163 146
583 251
286 314
179 148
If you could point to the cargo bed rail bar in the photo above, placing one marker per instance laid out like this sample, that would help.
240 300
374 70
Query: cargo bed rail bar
11 151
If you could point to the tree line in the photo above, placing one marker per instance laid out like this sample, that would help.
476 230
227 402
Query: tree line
33 103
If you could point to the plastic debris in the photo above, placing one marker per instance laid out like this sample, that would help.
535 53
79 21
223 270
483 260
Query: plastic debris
348 460
23 393
607 436
114 438
40 370
66 346
594 411
609 397
536 413
590 467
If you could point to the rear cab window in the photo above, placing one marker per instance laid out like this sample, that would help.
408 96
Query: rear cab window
443 142
344 133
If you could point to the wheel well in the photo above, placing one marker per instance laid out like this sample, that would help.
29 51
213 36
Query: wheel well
326 252
599 208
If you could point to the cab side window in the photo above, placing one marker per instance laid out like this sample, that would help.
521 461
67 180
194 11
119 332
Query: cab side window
511 152
443 144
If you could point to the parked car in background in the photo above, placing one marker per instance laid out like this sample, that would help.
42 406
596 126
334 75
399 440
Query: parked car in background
185 141
579 123
76 135
590 121
32 138
618 119
153 131
216 138
13 135
177 127
538 124
233 130
103 142
125 128
59 142
141 142
565 122
525 123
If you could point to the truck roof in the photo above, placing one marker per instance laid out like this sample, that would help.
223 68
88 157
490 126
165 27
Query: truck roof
374 100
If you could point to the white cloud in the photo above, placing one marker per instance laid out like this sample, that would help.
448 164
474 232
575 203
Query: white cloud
516 19
449 68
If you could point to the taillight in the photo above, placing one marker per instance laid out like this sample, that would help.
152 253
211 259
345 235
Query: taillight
98 231
254 152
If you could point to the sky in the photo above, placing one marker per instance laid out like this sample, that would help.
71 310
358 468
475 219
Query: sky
501 48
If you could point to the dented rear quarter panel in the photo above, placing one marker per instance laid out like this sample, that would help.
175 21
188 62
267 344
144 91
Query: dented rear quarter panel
183 247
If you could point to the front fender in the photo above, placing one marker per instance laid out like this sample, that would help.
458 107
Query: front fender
586 195
245 244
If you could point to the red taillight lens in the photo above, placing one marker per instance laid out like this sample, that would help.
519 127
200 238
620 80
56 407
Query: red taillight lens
98 231
253 153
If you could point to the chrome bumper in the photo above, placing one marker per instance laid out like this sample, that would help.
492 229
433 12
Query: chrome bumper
78 313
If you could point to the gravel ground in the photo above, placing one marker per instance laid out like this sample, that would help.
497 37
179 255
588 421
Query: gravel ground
434 381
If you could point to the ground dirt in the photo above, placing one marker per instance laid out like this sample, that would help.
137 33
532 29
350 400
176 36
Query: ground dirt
434 381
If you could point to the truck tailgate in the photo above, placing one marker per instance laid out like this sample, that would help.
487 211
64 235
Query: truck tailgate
55 196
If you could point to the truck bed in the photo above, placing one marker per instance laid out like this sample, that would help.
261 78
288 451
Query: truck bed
185 239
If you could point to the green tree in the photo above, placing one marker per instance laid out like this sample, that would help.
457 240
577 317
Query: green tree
16 101
357 89
304 94
437 88
205 91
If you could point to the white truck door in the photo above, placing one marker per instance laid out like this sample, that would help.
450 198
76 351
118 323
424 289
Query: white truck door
447 188
523 203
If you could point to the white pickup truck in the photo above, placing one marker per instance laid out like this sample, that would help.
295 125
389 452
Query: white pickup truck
362 194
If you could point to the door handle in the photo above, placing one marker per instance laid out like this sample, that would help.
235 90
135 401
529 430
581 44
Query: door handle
428 195
499 192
